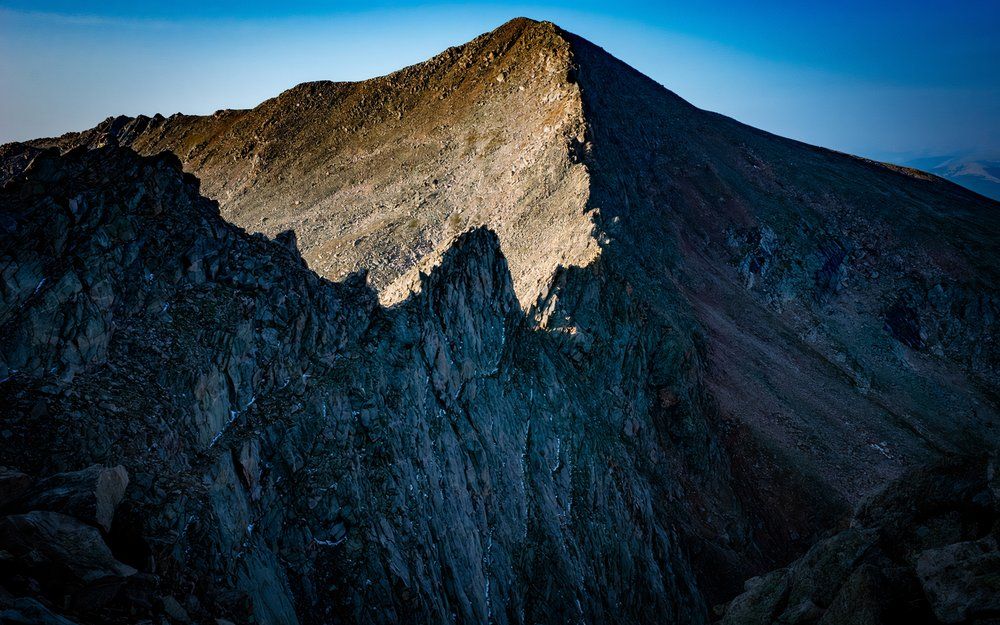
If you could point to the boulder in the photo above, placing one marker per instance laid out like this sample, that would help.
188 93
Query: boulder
175 610
28 611
13 484
68 558
962 580
91 494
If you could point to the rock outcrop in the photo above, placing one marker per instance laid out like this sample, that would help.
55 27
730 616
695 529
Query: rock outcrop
924 550
53 541
92 494
612 357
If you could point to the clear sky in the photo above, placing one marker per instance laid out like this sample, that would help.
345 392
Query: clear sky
872 78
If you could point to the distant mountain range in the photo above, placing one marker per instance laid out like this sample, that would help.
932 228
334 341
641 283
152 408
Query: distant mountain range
980 174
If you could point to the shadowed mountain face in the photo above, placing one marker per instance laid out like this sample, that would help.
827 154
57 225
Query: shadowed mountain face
614 355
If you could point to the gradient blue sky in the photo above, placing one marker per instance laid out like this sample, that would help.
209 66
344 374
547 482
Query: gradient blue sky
898 78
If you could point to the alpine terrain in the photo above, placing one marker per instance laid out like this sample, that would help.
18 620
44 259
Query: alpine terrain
515 335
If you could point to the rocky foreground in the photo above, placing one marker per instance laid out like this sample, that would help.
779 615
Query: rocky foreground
722 375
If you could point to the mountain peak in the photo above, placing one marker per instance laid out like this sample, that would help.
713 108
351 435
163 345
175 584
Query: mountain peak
731 338
578 162
518 23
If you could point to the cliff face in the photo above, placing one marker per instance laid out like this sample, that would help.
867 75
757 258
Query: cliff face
298 453
709 344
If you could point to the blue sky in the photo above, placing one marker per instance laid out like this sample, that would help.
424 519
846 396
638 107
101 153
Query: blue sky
898 78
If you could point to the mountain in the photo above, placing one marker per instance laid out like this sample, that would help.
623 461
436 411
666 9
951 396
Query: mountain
982 175
521 337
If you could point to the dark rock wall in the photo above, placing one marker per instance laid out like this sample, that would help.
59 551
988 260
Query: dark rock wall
299 454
